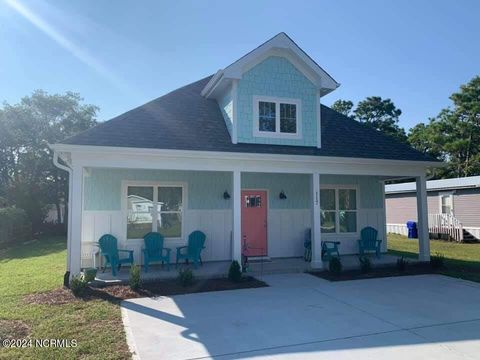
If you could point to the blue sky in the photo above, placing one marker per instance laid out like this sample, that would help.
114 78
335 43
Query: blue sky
121 54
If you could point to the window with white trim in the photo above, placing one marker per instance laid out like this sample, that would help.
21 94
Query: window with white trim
338 209
446 203
154 208
276 117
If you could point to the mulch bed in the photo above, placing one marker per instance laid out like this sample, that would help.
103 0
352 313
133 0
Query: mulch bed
55 297
117 293
379 272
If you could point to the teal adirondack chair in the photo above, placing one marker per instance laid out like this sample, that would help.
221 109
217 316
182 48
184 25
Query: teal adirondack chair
329 248
154 250
368 241
192 252
111 252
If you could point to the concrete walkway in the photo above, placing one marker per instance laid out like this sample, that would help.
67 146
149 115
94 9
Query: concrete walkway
302 317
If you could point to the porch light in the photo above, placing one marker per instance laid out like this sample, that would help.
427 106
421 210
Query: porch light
226 195
282 195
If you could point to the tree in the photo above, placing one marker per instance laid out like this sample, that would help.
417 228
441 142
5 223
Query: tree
29 180
343 107
380 114
454 135
375 112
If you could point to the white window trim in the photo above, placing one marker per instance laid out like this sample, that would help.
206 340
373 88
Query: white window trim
446 193
277 134
337 208
155 185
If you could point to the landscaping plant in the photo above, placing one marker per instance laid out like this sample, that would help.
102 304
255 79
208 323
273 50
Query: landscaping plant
365 264
185 277
235 273
437 261
89 274
402 264
78 285
135 280
335 265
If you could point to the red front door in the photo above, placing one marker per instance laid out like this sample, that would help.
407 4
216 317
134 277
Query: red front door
254 223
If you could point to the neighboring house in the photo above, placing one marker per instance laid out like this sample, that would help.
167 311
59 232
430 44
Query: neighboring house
249 156
453 207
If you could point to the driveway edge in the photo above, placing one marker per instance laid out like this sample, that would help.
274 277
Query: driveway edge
132 346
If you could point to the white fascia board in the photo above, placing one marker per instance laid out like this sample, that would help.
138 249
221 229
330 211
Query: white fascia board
118 157
393 192
279 45
212 83
280 41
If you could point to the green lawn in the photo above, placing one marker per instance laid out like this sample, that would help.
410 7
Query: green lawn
96 325
38 267
461 260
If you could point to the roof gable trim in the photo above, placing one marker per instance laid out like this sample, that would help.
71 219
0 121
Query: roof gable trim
279 45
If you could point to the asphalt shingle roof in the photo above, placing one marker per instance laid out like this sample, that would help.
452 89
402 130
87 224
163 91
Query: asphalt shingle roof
185 120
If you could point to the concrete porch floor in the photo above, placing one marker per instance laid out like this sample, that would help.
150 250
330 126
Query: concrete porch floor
215 269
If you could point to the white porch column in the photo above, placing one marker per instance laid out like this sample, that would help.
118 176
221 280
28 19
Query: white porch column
422 216
69 219
237 217
76 219
316 231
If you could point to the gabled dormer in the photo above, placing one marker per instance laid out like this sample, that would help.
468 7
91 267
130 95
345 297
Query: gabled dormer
272 95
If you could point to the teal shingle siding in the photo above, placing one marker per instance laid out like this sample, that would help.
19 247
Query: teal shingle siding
277 77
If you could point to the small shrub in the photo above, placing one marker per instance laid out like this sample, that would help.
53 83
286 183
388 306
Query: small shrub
365 264
335 265
78 285
437 261
235 273
89 274
185 277
402 264
135 280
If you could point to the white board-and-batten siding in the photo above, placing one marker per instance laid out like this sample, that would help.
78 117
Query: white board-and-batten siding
286 232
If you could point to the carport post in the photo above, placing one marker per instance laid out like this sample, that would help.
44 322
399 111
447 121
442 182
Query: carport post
422 216
76 200
237 217
316 230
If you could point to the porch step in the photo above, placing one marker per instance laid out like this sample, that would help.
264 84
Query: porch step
278 266
254 259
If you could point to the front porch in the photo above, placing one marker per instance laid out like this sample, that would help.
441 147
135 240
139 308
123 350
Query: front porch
332 201
218 269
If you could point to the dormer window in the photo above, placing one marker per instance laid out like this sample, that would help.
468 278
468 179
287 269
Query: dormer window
276 117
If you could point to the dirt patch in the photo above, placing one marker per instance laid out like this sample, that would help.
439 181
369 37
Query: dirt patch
380 272
13 329
117 293
55 297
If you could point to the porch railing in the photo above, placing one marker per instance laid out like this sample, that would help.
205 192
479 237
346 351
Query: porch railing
446 224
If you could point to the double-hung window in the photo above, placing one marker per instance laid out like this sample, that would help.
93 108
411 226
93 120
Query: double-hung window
155 208
338 209
446 203
277 117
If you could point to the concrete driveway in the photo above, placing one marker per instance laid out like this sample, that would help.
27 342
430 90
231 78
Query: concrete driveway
302 317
